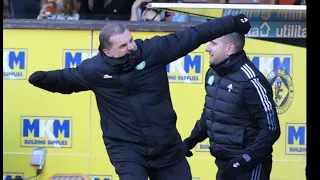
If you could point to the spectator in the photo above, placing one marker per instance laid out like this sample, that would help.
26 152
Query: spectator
180 17
139 12
106 9
64 10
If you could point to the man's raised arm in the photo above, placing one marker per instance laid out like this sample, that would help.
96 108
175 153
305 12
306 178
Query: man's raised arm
171 47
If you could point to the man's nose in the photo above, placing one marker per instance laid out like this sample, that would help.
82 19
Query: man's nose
207 49
130 46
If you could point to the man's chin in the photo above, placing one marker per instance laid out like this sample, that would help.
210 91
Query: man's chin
212 63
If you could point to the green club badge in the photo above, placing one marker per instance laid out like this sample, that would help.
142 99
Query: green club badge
141 65
211 80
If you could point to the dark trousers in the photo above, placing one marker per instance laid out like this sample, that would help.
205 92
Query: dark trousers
134 171
132 165
258 171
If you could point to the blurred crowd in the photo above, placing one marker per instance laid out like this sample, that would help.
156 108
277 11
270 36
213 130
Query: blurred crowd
133 10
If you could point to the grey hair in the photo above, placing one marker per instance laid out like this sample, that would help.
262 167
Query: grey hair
107 32
237 39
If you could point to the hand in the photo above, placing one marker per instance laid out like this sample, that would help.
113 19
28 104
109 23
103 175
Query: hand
187 151
235 167
42 14
137 3
189 154
242 24
37 77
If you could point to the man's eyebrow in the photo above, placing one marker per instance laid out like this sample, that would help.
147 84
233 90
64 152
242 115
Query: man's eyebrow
126 43
123 44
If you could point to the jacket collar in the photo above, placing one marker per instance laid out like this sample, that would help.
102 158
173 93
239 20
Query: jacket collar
121 64
231 64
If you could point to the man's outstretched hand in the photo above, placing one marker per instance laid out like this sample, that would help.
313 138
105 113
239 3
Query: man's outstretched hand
242 24
37 77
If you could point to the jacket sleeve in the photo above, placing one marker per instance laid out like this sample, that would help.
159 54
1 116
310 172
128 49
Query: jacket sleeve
258 97
171 47
68 80
199 132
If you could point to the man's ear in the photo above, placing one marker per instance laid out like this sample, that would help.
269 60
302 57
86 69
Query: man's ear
231 49
107 52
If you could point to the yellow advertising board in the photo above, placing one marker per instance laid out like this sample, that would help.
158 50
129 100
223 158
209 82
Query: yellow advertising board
34 117
68 126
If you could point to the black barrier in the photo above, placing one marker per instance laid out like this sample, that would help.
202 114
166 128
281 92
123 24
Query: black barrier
144 26
93 25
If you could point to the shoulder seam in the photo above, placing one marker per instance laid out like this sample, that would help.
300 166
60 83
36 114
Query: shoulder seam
248 71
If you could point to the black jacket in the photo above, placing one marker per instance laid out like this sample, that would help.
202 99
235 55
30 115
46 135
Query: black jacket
239 115
132 92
